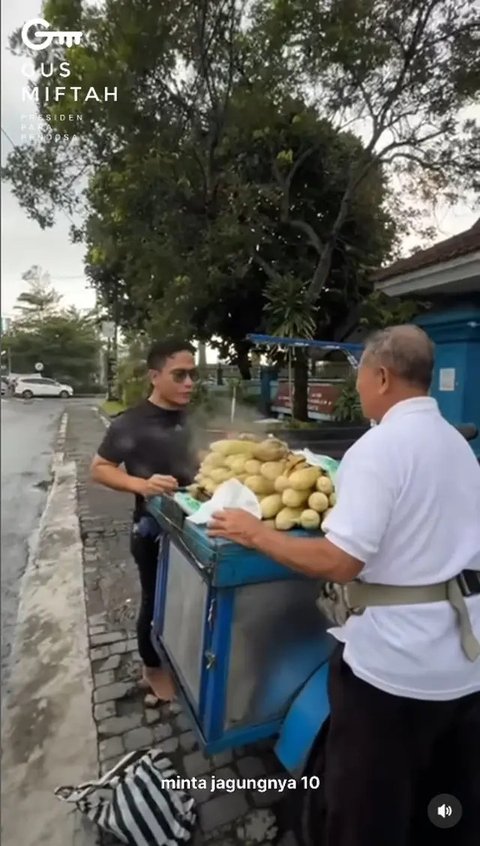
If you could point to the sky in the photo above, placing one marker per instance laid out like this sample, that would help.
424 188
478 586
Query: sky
25 244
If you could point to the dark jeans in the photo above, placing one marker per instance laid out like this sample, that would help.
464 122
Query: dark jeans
145 553
388 756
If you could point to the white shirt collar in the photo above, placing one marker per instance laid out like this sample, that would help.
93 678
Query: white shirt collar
415 404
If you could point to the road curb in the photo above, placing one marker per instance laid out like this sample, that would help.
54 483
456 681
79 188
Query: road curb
48 732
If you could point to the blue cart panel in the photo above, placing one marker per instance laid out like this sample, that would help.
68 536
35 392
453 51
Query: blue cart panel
241 633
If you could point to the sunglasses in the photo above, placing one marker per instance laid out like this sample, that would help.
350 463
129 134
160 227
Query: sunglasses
180 376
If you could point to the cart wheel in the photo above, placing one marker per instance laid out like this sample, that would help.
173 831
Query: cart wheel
310 809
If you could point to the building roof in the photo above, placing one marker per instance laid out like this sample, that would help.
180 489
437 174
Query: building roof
452 248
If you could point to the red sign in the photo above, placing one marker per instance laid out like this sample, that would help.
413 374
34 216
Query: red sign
321 398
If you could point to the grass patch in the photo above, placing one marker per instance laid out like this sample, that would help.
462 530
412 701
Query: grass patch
111 407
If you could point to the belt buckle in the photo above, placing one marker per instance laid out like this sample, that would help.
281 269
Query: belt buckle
355 610
469 582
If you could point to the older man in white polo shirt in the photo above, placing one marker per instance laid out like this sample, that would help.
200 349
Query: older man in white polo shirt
405 678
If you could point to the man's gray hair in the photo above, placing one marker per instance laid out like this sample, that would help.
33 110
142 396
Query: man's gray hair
406 351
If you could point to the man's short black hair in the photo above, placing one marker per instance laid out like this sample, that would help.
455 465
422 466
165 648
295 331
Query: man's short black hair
160 351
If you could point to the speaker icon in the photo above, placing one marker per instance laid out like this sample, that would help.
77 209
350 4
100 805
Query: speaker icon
444 810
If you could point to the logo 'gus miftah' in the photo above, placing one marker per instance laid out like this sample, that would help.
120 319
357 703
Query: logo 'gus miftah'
46 37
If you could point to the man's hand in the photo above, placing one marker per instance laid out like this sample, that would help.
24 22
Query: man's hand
156 485
236 525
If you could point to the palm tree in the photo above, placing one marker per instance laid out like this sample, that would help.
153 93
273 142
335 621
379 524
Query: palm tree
291 315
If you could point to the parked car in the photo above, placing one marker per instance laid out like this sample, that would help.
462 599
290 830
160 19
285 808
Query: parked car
4 386
39 386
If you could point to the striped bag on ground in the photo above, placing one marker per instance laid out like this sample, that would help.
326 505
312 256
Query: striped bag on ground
137 801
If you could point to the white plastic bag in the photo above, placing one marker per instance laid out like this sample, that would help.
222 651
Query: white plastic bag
231 494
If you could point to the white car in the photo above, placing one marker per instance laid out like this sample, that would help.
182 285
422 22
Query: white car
39 386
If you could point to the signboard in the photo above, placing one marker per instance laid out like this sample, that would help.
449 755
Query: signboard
446 381
321 399
39 367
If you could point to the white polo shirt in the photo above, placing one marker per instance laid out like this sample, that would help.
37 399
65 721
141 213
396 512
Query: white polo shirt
408 505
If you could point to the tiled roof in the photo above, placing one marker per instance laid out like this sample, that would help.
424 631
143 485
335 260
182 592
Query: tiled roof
460 245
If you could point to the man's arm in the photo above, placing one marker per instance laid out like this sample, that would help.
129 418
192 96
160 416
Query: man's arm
317 558
355 527
115 477
313 557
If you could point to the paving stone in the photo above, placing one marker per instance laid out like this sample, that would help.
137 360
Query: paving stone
103 712
152 716
202 794
112 663
223 758
101 679
110 763
107 638
119 725
169 746
258 827
267 798
196 764
174 708
271 763
111 691
118 648
132 644
251 767
96 630
222 810
110 748
188 741
97 619
225 773
182 723
98 653
161 732
138 739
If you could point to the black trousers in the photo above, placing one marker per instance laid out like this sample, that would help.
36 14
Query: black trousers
387 756
145 554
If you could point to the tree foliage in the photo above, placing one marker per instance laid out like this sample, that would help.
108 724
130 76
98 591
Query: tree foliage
65 341
255 150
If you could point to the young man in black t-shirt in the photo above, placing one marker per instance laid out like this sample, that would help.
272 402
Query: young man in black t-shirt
147 451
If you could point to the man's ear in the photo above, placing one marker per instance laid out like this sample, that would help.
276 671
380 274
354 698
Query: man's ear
385 380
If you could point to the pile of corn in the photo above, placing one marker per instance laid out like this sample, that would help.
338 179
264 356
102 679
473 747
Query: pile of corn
291 492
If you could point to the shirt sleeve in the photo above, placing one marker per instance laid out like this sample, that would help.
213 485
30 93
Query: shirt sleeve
116 445
365 503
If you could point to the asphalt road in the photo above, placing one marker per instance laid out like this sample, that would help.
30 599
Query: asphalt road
29 432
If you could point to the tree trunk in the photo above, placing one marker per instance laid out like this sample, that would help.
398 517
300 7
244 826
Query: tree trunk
300 398
322 269
202 358
243 361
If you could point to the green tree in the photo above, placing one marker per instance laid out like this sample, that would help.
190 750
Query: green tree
398 73
39 299
211 279
206 182
65 341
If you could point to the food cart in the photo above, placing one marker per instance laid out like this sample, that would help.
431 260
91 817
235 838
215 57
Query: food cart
246 643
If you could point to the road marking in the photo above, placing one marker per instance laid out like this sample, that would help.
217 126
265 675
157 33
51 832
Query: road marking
105 420
59 454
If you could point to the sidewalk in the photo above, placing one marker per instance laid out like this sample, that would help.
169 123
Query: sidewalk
122 721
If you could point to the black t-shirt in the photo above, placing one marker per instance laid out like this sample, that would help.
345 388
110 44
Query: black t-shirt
148 440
